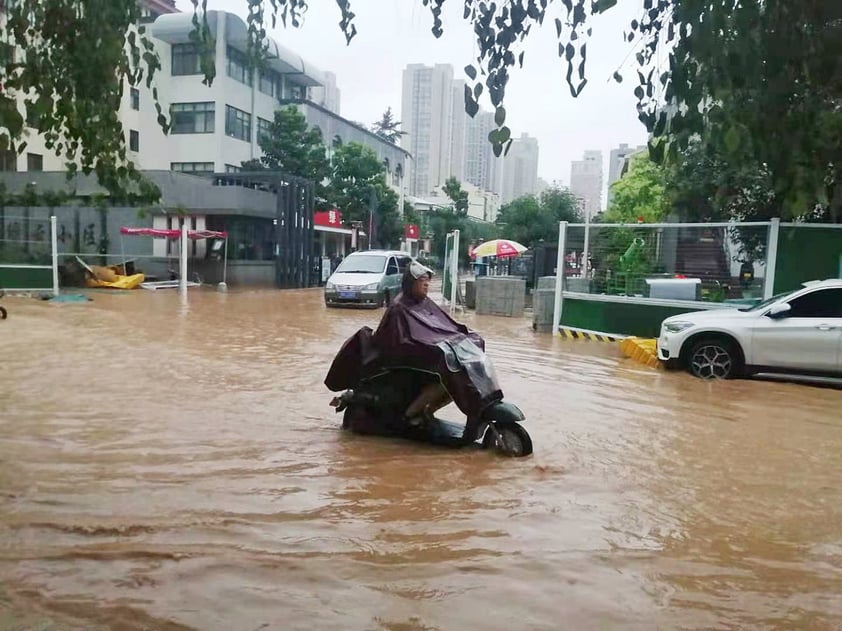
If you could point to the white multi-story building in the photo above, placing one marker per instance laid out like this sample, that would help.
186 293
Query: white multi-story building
481 165
586 182
482 205
444 141
458 128
616 162
215 128
427 120
328 94
519 169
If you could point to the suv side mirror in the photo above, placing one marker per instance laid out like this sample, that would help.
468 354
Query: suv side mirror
780 310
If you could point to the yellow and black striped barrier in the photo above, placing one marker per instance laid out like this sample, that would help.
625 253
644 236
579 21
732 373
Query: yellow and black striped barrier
574 334
642 350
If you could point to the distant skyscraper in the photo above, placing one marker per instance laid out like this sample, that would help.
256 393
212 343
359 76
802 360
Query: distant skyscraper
328 95
427 119
481 166
519 169
586 182
616 161
458 126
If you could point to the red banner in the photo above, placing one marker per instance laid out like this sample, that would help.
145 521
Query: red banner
328 218
410 231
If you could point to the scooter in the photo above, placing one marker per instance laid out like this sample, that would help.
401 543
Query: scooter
377 404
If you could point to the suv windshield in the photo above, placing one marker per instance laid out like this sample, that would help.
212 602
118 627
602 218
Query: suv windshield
363 264
766 303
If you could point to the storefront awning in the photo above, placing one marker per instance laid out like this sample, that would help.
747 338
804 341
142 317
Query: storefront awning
347 231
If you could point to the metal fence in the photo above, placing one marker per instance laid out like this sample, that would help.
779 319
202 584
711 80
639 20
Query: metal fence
698 262
28 253
724 263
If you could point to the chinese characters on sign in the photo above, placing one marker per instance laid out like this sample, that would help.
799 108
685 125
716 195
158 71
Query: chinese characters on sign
328 218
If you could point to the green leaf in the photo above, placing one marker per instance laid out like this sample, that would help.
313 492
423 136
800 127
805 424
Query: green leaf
601 6
499 116
618 77
10 116
471 104
732 139
471 72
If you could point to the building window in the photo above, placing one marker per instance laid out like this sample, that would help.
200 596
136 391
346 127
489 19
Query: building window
297 92
185 60
134 140
134 99
192 167
193 118
249 238
238 66
268 82
230 168
34 162
237 123
8 160
264 128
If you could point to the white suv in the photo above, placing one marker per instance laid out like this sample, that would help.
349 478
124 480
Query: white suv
797 332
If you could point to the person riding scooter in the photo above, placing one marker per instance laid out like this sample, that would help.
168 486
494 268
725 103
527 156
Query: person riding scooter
415 333
416 362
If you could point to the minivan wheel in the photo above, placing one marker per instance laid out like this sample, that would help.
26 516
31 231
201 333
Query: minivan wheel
714 358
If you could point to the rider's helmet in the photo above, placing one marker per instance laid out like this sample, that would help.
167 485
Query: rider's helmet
415 271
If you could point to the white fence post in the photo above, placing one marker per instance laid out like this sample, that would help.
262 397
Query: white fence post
54 247
454 270
182 280
771 258
587 249
559 275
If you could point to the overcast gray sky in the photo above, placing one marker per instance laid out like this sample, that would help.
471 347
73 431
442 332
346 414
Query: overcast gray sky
394 33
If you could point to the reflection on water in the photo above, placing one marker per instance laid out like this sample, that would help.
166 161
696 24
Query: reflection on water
176 466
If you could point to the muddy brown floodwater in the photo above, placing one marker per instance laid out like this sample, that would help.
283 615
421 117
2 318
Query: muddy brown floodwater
169 466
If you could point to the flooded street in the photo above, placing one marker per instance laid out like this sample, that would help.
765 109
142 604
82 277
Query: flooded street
168 466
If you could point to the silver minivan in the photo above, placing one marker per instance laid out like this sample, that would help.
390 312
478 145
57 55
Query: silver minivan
370 278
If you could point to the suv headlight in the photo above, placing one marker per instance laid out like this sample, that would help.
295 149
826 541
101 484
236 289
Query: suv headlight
677 327
372 286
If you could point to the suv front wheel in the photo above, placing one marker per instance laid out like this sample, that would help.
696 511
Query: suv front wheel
714 358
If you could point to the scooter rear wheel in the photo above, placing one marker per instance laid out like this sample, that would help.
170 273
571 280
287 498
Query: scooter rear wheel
510 440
